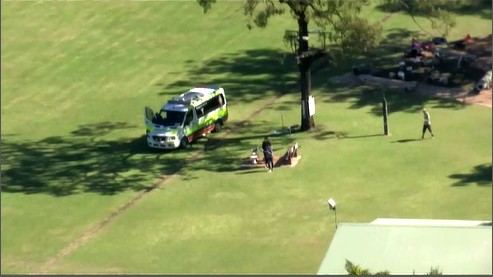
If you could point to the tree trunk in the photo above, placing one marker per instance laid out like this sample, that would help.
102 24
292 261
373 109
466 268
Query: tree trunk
304 63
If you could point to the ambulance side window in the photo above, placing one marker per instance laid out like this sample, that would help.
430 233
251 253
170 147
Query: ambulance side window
221 100
189 117
212 104
200 112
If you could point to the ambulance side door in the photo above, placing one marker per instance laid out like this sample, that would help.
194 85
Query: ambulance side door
148 116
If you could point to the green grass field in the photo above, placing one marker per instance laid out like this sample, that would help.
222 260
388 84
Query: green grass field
75 79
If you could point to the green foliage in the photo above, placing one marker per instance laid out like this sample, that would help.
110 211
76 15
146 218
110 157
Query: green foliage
261 17
206 4
435 11
354 269
434 271
424 7
339 21
344 26
360 35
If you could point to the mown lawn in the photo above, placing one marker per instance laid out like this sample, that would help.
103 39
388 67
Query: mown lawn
75 79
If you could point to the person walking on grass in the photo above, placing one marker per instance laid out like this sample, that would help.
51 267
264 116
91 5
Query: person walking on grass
268 154
426 123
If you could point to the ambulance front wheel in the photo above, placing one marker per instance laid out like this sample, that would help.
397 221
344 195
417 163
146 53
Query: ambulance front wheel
183 143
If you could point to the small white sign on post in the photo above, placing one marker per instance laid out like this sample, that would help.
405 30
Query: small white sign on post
311 105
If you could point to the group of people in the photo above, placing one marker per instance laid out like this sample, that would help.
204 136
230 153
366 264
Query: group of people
416 49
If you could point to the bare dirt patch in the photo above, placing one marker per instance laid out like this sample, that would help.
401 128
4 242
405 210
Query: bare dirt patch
461 94
483 98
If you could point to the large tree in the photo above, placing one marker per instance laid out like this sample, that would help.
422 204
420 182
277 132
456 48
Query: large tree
339 21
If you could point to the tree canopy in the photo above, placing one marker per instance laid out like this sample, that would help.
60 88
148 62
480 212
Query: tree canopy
339 21
436 11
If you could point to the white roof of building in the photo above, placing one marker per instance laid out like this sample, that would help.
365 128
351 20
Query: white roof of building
407 246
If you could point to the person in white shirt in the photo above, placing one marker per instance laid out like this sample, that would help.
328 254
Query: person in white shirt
426 124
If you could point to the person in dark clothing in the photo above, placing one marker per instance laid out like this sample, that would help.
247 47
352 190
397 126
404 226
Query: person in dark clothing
158 119
415 44
268 154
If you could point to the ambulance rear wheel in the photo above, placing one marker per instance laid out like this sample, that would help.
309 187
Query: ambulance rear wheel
217 126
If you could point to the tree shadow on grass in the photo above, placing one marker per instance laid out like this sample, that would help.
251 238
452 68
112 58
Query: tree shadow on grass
251 171
364 136
481 175
320 134
257 74
246 76
387 55
227 154
82 162
100 129
480 8
405 140
397 100
390 51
